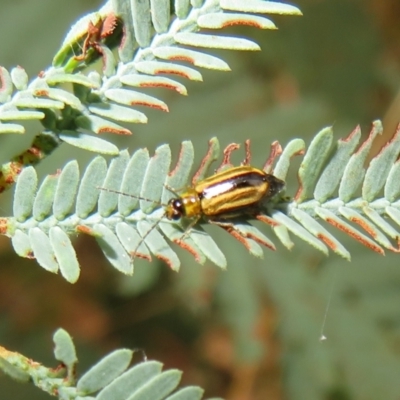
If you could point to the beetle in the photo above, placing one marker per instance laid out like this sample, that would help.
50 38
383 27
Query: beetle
225 195
218 199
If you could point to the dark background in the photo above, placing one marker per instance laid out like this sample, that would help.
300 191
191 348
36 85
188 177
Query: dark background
251 332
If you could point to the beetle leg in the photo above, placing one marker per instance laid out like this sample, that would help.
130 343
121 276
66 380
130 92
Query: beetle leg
142 240
189 228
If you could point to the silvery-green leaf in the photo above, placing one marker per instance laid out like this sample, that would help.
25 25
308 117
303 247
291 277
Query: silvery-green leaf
105 371
158 387
43 250
158 245
354 172
182 8
222 20
132 97
154 178
88 192
67 186
64 349
119 113
141 16
157 67
132 241
194 57
88 142
392 186
299 231
379 168
22 244
160 15
333 172
44 199
132 181
178 178
189 392
25 192
65 254
11 128
215 42
100 125
108 200
113 249
60 95
259 6
122 387
57 77
313 163
20 115
35 102
140 80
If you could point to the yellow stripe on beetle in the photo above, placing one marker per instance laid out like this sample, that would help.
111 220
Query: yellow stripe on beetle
225 195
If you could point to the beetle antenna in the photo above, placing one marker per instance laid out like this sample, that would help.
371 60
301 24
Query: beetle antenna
171 189
132 195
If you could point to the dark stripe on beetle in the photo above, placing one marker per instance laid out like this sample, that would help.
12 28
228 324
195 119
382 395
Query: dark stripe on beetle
245 180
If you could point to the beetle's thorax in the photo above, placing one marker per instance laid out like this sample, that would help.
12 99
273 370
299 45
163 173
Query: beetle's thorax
187 205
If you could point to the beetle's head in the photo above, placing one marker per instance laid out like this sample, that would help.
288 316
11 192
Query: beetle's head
174 209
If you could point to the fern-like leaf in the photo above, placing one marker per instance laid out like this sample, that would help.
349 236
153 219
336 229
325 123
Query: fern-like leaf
151 45
111 378
128 220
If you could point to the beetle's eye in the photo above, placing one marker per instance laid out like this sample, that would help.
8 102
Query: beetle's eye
177 207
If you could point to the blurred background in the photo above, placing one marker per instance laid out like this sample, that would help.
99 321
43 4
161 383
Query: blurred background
251 332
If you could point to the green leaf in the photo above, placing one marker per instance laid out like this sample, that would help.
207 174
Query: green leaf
354 172
132 181
64 349
187 393
108 200
88 192
44 199
22 244
113 249
104 372
89 142
24 196
66 190
213 42
131 380
157 244
313 163
158 387
65 254
154 178
379 168
42 249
